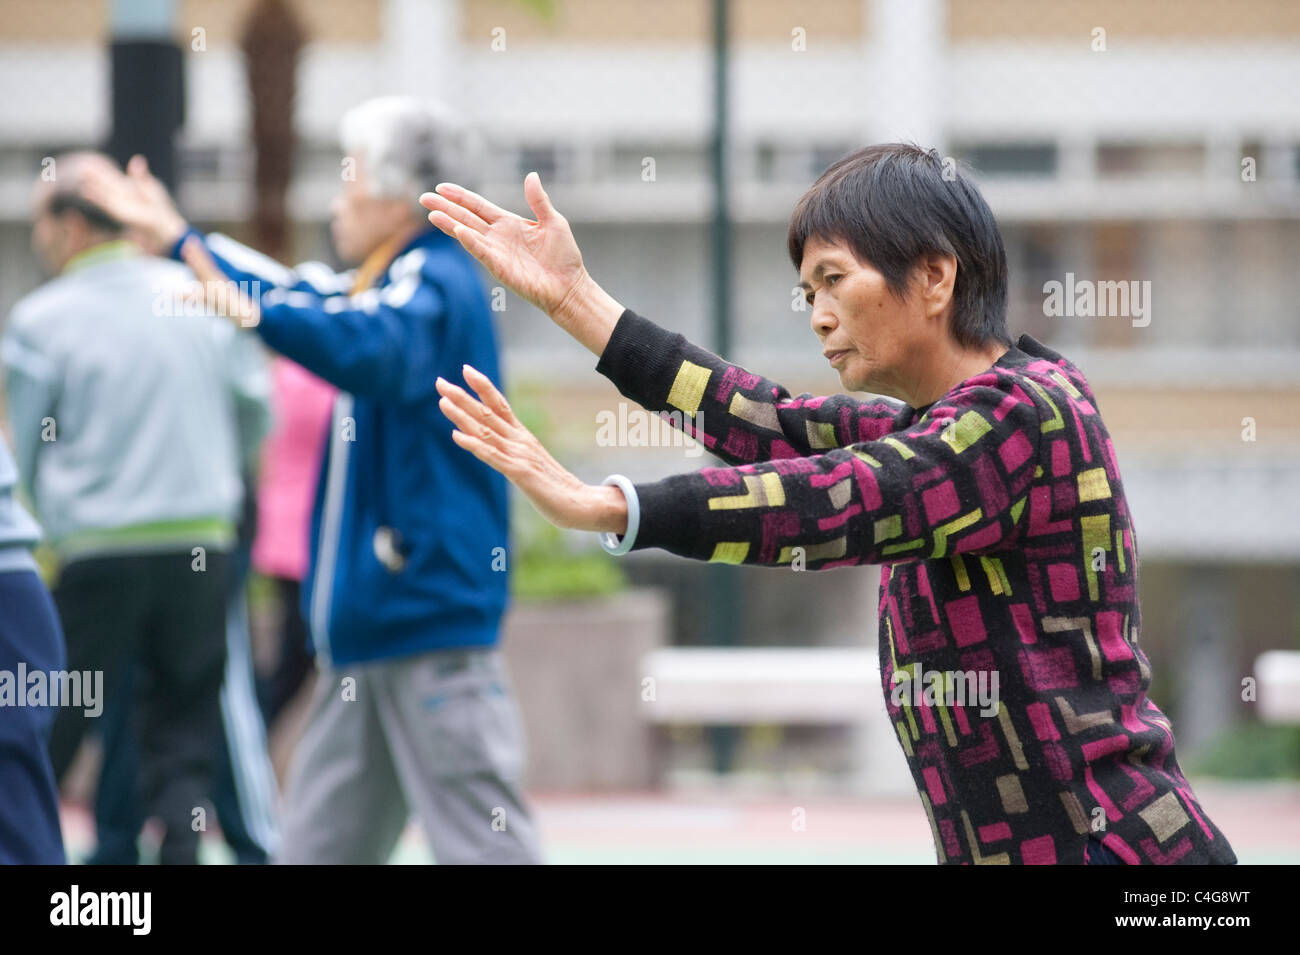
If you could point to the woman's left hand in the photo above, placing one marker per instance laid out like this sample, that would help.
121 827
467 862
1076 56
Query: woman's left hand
487 428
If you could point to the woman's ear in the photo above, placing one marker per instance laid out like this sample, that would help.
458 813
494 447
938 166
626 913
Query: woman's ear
936 279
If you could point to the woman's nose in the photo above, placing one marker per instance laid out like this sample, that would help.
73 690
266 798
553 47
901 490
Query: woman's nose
822 320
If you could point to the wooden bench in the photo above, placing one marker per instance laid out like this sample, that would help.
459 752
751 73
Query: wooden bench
803 686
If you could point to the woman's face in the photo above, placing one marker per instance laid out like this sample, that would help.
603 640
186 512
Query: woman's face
875 341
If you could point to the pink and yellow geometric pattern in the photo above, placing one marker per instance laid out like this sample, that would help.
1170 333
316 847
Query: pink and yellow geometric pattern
999 518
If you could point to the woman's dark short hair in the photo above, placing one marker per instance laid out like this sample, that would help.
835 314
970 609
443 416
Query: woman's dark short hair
895 202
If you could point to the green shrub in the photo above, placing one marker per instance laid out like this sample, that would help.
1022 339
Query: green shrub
544 564
1250 751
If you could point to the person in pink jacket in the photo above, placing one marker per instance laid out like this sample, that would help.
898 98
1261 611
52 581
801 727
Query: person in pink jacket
291 458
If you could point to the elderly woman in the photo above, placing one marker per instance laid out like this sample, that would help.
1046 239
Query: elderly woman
991 498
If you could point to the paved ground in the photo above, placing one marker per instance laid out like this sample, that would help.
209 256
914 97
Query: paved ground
1261 820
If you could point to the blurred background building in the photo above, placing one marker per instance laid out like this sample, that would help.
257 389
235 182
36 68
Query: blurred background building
1117 140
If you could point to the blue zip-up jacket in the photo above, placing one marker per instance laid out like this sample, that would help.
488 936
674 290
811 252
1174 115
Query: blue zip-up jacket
409 531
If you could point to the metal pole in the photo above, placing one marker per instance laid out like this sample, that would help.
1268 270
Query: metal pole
724 608
148 85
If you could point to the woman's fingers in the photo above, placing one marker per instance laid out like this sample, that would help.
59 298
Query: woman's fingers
468 414
466 424
436 203
472 201
488 393
448 225
470 241
495 437
490 455
537 198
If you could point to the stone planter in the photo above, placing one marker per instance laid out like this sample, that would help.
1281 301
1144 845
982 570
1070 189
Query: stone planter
576 671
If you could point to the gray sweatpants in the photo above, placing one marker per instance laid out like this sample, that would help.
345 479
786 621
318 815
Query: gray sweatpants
438 734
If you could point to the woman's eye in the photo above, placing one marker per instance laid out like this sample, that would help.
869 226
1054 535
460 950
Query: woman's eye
832 279
810 296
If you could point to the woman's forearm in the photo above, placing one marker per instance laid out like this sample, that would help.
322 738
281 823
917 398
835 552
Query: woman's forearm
609 510
588 313
738 416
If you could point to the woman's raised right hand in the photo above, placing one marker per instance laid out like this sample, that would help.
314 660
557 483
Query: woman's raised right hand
538 260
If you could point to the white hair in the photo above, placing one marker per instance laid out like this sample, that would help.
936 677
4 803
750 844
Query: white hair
409 145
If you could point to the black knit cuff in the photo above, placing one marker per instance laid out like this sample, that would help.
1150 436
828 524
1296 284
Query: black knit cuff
640 359
670 519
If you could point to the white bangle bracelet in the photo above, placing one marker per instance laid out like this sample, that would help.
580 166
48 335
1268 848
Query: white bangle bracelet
608 539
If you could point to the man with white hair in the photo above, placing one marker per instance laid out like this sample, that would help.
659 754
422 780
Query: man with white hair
407 578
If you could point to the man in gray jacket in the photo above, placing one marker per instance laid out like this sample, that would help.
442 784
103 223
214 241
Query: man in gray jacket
126 399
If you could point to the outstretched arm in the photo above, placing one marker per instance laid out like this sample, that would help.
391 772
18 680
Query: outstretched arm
381 343
739 416
141 202
955 481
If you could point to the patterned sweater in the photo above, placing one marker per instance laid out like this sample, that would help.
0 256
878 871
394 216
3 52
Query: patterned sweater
1008 561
